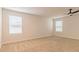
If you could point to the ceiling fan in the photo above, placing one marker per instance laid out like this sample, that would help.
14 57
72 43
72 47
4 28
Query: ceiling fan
72 12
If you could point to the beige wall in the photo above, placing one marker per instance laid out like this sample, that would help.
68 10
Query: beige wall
70 27
33 27
0 25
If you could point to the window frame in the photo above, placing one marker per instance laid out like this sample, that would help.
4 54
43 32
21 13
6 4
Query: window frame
18 29
58 28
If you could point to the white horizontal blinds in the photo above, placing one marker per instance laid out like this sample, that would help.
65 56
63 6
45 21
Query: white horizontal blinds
59 25
15 24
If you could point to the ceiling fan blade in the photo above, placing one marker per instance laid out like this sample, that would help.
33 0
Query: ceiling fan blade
70 11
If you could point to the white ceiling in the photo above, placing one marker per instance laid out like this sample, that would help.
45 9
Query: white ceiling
43 11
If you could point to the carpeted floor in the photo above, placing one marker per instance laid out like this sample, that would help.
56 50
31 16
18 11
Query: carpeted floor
47 44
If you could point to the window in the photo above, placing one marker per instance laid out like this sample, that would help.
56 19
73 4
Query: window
15 24
58 25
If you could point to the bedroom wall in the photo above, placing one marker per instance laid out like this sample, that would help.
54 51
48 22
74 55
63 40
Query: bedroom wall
70 27
0 25
33 27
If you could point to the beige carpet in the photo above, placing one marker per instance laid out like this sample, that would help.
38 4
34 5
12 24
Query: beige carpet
47 44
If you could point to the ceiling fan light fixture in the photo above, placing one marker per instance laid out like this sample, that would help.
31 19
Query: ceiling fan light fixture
72 12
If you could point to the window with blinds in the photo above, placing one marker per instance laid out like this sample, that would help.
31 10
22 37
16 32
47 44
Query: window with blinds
58 25
15 24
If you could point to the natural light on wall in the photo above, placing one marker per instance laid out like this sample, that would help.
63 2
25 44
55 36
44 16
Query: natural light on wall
58 25
15 24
